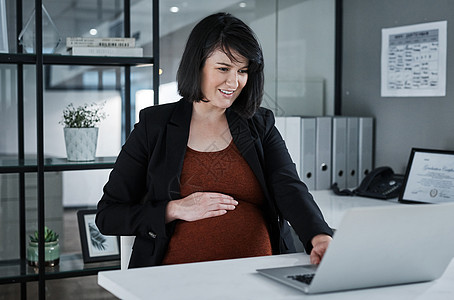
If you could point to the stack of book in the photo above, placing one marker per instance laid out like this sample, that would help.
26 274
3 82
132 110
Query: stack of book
113 46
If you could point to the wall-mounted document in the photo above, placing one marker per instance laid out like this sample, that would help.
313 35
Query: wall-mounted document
365 144
413 60
308 149
352 152
323 153
339 154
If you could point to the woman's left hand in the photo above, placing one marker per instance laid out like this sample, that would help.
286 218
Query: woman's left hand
320 243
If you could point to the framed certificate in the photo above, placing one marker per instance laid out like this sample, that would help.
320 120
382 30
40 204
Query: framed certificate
429 177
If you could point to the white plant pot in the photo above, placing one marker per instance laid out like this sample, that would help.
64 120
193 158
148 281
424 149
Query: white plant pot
81 143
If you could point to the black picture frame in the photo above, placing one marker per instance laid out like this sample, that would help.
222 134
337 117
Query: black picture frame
429 177
96 247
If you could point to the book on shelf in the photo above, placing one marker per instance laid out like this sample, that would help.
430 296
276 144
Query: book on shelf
106 51
100 42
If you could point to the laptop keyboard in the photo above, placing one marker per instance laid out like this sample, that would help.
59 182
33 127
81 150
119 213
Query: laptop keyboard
305 278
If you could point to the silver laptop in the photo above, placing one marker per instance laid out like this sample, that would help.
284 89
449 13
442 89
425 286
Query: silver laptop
379 246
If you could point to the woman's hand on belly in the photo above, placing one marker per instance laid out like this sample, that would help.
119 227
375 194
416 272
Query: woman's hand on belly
199 205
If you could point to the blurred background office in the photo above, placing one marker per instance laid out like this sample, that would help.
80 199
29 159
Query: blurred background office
303 77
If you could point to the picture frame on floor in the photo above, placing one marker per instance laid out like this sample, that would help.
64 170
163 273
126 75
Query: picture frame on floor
96 247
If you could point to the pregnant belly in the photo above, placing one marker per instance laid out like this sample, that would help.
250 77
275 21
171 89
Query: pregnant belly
238 233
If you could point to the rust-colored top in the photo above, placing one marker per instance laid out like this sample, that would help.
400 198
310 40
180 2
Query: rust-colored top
238 233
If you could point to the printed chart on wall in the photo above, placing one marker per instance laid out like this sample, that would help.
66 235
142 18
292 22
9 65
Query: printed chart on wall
413 60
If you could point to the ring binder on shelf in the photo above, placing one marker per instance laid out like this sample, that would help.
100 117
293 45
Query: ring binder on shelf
328 150
352 152
308 151
365 144
339 154
323 153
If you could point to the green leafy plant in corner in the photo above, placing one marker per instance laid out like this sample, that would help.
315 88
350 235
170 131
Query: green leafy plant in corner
83 116
49 236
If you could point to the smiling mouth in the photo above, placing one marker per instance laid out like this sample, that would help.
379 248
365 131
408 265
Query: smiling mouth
226 92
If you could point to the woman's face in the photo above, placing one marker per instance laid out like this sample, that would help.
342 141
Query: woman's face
223 79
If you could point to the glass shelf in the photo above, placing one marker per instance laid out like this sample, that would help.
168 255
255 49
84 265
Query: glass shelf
13 58
10 165
55 59
96 60
62 164
70 265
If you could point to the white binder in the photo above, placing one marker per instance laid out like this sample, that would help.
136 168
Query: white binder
307 173
339 153
289 128
352 152
323 153
280 125
365 152
293 139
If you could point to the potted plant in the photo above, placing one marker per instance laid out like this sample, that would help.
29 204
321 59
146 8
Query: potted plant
51 248
81 135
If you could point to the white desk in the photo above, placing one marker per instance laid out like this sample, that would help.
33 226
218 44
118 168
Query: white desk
333 207
236 279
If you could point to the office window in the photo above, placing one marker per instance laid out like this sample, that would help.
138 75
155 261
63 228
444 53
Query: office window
298 42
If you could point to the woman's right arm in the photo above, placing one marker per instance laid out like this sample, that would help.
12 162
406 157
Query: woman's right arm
124 208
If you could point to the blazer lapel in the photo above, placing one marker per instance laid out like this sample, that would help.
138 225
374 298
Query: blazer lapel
176 141
248 144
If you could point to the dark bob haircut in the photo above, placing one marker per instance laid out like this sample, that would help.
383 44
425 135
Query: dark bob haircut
229 34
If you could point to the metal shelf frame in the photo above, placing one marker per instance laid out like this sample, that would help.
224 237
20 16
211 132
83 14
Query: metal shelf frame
18 271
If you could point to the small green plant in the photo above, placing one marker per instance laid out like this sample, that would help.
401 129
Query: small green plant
49 236
83 116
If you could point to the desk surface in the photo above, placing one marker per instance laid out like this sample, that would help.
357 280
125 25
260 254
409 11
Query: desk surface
333 206
237 279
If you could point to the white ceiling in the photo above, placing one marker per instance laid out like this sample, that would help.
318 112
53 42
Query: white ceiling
82 15
77 17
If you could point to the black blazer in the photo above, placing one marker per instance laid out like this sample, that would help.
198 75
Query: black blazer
146 176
